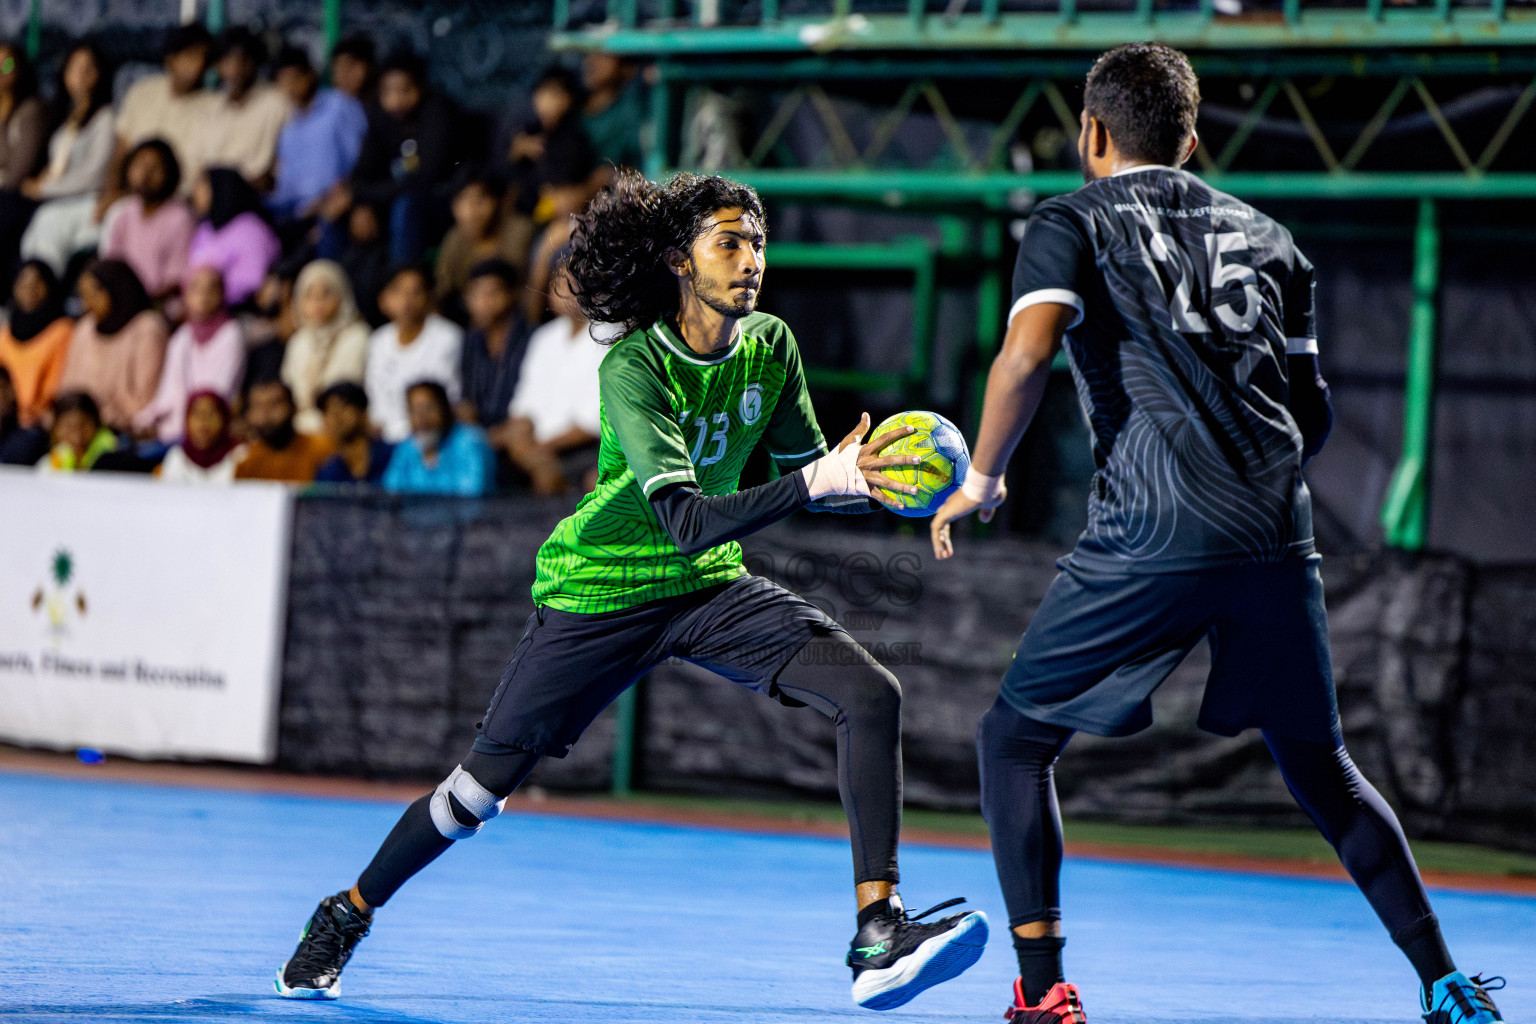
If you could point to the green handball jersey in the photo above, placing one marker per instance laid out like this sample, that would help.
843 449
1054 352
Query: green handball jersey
669 416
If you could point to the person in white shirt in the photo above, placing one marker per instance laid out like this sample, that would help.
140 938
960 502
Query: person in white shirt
555 413
416 345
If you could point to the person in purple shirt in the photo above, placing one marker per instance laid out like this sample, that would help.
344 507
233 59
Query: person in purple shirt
320 143
441 456
234 235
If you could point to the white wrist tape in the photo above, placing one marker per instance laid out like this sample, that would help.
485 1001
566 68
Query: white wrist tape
836 473
979 487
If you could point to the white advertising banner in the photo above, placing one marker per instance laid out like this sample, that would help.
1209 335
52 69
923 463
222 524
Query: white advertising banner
141 618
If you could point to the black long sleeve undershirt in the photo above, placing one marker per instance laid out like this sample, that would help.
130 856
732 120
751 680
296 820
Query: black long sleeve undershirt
1311 403
696 521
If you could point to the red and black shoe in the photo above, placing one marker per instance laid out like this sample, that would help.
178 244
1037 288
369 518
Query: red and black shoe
1060 1006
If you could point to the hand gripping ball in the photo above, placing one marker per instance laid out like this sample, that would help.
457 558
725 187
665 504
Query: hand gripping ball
945 460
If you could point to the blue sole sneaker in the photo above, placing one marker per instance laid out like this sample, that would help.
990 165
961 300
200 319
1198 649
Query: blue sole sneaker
895 957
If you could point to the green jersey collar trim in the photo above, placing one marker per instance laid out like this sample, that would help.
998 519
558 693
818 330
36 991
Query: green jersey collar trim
682 351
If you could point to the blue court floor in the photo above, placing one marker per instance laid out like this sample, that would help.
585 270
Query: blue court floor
131 903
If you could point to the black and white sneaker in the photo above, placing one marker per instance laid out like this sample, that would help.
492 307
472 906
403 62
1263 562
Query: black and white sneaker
894 958
314 970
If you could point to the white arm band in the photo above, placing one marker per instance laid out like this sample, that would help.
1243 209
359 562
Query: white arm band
836 473
979 487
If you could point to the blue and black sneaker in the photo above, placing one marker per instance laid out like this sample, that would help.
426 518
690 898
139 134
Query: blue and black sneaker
894 957
1458 999
325 946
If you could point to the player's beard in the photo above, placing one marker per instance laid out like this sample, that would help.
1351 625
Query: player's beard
716 296
1082 156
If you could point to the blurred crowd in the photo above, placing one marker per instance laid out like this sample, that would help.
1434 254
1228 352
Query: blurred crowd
230 269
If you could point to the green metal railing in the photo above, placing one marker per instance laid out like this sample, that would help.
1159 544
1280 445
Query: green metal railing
907 254
1405 514
842 25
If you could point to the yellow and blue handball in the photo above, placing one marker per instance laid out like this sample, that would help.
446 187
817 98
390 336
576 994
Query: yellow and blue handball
945 460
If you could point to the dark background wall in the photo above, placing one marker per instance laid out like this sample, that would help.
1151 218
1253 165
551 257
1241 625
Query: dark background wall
401 617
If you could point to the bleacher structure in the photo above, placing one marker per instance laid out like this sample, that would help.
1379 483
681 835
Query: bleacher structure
1336 73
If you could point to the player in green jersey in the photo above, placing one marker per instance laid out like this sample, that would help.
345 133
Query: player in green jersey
648 568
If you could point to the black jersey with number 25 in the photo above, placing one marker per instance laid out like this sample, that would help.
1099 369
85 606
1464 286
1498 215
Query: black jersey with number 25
1188 302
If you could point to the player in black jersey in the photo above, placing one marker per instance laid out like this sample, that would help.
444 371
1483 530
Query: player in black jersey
1187 320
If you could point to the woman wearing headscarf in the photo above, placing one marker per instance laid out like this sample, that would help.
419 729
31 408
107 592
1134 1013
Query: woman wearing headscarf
331 344
209 452
35 340
79 152
207 353
118 347
233 235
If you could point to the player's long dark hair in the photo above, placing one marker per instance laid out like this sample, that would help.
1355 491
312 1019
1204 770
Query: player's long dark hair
618 249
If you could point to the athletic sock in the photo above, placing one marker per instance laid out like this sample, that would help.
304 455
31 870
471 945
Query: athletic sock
879 908
1425 948
1039 965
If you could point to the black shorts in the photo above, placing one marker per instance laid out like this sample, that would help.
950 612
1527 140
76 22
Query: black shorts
568 667
1101 643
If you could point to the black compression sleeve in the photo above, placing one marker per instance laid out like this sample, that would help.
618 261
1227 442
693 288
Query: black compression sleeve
696 521
1311 403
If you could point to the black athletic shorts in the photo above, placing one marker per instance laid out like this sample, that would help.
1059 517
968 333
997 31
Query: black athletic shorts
568 667
1102 642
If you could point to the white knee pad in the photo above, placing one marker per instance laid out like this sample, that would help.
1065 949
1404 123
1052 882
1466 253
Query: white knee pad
478 800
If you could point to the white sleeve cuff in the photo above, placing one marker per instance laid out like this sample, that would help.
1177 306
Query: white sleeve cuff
1060 296
979 487
1301 346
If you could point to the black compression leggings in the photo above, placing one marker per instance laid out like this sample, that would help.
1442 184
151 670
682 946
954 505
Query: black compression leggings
832 674
1018 799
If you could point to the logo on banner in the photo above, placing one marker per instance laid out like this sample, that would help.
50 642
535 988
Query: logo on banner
61 599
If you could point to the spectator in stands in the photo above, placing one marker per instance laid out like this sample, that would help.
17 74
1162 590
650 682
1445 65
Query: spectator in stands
494 345
79 152
233 234
78 437
483 228
407 154
209 452
417 344
23 134
440 456
118 346
277 451
352 64
614 109
34 341
319 145
557 99
152 227
365 257
168 106
241 122
206 354
360 458
23 120
267 322
330 345
554 417
10 420
569 183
